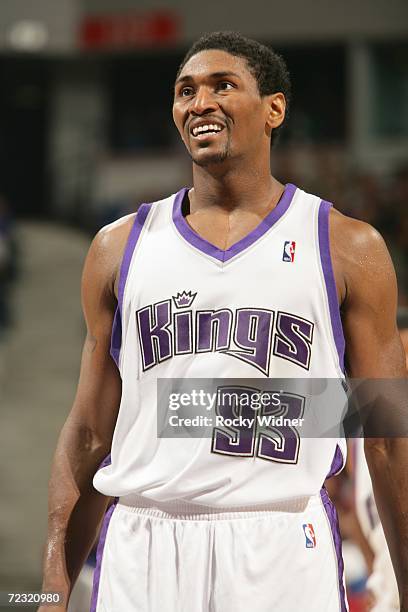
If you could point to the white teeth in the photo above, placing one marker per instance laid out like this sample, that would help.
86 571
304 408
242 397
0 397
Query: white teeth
210 127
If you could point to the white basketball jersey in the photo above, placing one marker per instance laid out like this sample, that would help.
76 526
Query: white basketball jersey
265 308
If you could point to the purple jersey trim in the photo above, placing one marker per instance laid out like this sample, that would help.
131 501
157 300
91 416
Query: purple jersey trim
332 517
99 555
324 247
209 249
337 463
107 461
135 232
116 336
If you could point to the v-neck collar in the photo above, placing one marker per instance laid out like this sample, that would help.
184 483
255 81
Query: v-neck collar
206 247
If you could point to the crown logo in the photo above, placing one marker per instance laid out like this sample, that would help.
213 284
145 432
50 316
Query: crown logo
184 299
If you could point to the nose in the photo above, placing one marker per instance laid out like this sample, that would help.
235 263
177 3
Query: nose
203 102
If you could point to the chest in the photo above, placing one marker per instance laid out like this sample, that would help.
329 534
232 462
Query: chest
223 229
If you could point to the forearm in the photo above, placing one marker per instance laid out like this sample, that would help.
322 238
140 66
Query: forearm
75 507
388 463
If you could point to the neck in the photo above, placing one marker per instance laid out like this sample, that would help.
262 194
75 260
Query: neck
233 188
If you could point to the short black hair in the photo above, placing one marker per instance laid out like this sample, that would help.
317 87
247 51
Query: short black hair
268 67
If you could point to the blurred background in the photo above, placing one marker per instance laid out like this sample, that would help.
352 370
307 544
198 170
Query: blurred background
86 135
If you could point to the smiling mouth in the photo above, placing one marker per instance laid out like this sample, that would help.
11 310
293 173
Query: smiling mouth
202 132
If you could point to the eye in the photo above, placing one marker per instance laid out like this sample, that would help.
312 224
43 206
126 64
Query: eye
225 85
186 91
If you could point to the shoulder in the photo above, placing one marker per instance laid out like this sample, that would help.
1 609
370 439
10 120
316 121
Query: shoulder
359 253
350 230
107 248
110 237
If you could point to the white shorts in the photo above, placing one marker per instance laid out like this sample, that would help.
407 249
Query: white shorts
164 558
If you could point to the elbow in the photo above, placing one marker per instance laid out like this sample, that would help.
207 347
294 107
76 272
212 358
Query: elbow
86 440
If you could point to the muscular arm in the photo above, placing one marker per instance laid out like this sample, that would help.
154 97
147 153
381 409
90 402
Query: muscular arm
75 507
374 350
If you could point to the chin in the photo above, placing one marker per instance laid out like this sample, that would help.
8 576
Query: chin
206 158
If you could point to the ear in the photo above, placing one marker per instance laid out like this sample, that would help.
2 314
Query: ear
276 108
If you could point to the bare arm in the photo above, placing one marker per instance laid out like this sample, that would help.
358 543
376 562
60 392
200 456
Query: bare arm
75 507
373 351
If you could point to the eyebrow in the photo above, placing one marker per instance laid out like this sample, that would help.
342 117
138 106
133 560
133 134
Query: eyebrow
213 75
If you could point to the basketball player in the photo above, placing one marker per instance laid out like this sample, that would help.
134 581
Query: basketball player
233 278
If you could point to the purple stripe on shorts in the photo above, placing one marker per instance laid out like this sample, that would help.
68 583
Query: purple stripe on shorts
324 247
99 555
209 249
331 513
116 335
337 463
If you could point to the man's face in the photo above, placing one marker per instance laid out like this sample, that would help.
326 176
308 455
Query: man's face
218 109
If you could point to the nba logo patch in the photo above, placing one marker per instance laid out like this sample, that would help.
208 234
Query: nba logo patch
309 535
289 251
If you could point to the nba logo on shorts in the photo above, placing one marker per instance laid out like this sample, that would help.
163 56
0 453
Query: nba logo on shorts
309 535
289 251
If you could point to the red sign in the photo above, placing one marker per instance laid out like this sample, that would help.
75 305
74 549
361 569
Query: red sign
125 31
